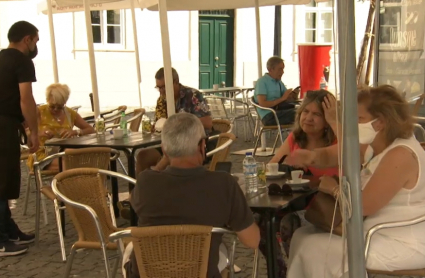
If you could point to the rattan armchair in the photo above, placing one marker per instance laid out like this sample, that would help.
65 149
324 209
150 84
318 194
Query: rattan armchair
174 251
134 120
220 153
264 128
223 126
73 158
389 225
82 190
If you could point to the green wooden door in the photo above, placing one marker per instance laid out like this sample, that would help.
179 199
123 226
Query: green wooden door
215 51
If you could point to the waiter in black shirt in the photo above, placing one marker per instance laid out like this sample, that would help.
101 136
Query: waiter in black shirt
17 107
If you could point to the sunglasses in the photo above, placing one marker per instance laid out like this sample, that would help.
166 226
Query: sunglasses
56 107
275 189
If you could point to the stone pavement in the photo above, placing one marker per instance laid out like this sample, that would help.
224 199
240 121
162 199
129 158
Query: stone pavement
45 261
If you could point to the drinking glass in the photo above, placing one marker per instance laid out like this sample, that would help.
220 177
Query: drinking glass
261 174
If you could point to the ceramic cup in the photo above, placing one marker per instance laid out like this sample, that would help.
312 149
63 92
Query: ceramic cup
118 133
297 175
215 86
273 168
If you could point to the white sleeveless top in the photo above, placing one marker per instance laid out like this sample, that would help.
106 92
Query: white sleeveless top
405 205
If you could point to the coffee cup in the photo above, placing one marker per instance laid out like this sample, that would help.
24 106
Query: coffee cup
215 86
273 168
297 175
118 133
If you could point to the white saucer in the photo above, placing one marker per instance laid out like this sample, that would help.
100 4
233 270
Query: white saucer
303 181
275 176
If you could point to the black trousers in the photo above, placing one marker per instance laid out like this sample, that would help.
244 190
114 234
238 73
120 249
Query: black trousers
8 227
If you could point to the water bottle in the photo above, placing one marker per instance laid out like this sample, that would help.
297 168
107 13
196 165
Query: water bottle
250 173
123 123
323 84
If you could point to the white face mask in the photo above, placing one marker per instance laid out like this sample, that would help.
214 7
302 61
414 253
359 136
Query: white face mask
367 133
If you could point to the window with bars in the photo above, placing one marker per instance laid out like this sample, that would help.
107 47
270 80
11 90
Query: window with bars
318 22
107 27
390 22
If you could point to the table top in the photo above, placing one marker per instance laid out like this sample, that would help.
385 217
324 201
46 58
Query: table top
221 90
262 200
134 141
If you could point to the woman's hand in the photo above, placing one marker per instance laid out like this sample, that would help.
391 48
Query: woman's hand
68 133
329 186
300 158
329 105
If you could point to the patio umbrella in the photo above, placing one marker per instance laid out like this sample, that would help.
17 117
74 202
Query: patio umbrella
65 6
347 81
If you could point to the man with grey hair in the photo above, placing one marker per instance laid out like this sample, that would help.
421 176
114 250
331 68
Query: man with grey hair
270 92
186 193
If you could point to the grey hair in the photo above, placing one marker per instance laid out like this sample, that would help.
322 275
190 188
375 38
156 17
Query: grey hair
160 74
58 92
273 62
181 135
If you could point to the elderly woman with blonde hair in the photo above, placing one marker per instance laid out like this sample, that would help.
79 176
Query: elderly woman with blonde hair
55 120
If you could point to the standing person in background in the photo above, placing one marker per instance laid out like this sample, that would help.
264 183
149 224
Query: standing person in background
17 106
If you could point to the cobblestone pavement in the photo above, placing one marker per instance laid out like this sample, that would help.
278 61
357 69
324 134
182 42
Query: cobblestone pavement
45 260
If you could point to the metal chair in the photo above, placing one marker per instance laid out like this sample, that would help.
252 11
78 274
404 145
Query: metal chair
73 158
419 132
134 121
264 128
83 192
388 225
218 111
174 251
221 152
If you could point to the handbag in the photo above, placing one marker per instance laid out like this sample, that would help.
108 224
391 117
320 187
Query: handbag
320 211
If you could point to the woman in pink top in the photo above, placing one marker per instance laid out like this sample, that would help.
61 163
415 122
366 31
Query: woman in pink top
315 127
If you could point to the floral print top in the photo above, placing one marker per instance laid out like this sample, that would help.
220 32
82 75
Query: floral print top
191 101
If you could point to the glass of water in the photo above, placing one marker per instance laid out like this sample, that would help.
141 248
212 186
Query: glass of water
261 174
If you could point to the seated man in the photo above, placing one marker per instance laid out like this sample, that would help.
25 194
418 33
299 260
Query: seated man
270 92
187 100
186 193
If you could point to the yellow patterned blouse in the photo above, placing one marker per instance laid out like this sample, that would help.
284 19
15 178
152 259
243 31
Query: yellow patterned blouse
46 121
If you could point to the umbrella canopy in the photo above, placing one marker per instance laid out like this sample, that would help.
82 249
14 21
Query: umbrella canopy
198 5
71 6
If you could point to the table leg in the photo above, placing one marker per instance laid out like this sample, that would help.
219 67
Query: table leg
62 211
270 249
114 185
131 173
274 245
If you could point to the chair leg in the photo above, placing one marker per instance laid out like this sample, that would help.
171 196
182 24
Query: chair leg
111 210
37 212
105 258
43 206
255 266
256 141
69 262
122 166
232 259
275 142
27 195
60 232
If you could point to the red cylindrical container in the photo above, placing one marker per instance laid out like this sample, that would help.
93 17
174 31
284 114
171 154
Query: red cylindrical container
314 60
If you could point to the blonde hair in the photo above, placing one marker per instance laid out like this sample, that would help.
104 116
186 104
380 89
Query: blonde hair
300 136
388 104
58 92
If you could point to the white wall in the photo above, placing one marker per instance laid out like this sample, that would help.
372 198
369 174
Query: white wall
116 70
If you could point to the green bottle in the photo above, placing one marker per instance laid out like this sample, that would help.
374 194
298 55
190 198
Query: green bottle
123 123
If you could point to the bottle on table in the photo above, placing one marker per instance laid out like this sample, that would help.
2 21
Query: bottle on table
250 173
323 84
123 123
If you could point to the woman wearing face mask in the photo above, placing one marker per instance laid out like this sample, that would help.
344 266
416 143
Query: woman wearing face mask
393 190
55 120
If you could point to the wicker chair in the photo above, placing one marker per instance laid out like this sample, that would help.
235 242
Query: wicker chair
264 128
174 251
82 190
389 225
220 153
134 121
224 126
73 158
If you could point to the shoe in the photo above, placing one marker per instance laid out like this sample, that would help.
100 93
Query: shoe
9 248
124 208
21 238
